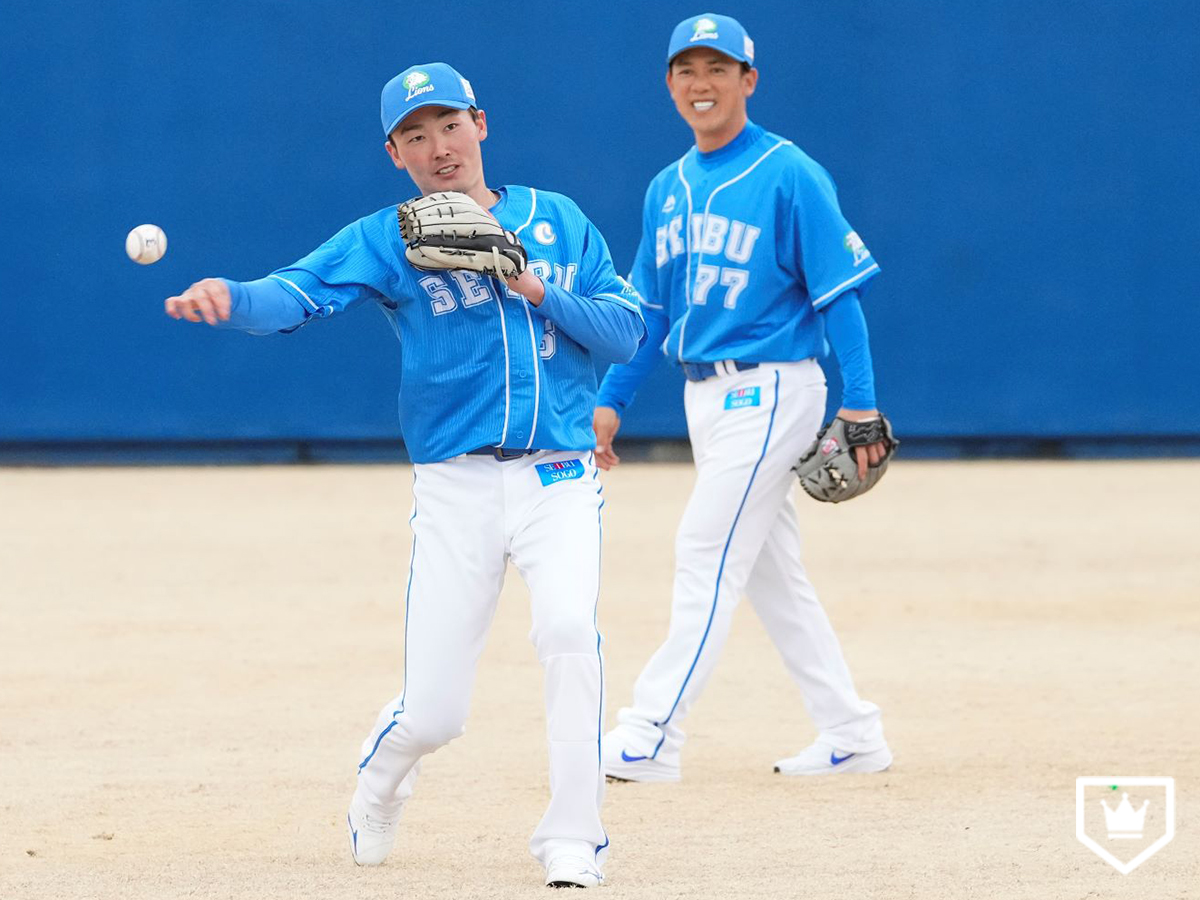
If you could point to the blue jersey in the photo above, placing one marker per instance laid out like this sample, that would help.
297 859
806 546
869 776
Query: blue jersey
740 249
480 366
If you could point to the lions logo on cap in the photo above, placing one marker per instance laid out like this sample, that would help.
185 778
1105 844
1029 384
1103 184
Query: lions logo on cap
417 83
704 30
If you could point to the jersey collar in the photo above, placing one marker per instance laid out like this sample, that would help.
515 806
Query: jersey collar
745 138
514 206
498 206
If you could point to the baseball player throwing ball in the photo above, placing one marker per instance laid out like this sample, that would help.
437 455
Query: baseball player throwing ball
503 299
746 265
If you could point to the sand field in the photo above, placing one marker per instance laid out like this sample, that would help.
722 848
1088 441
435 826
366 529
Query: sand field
190 658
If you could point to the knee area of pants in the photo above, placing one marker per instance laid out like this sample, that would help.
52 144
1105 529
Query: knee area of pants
565 635
699 541
427 734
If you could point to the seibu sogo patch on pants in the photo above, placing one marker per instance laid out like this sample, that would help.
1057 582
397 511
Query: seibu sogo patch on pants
742 397
554 472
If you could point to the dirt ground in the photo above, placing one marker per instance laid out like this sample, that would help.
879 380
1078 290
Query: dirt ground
190 658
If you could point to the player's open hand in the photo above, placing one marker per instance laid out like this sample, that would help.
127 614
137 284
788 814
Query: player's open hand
206 300
872 453
606 423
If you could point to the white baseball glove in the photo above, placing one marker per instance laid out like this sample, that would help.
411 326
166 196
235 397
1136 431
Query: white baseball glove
449 230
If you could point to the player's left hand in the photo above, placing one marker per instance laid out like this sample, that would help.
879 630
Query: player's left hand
871 454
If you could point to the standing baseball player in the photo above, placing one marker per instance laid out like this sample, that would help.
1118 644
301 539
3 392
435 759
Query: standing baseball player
502 300
746 266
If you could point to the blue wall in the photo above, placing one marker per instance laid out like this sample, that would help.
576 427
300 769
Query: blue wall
1024 170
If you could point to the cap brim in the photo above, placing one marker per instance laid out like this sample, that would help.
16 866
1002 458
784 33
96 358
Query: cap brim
449 104
734 56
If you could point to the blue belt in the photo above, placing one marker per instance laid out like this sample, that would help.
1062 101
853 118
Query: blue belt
504 454
700 371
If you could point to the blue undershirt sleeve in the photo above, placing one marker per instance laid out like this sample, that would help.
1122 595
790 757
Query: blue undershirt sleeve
621 382
263 307
846 328
611 332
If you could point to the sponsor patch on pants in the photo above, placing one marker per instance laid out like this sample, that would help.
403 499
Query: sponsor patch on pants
742 397
554 472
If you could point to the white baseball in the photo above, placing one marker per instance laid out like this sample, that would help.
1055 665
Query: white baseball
146 244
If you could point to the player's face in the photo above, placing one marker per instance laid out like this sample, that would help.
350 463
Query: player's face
439 148
710 91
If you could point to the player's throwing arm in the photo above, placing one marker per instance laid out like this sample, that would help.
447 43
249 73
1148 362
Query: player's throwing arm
207 300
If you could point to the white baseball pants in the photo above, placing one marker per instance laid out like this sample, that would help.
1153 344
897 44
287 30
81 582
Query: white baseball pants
471 514
739 535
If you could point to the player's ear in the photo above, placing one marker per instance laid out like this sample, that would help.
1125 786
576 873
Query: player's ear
390 146
481 123
749 82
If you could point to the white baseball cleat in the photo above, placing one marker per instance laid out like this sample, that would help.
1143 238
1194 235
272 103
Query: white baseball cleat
568 870
371 837
621 764
825 759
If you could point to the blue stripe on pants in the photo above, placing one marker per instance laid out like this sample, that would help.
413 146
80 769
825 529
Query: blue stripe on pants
720 570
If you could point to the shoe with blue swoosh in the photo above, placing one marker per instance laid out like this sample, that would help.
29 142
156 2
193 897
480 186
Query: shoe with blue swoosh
372 836
569 871
625 763
823 758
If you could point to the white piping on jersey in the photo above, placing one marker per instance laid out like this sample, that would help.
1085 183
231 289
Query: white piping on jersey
704 226
620 300
845 284
504 337
537 366
537 375
297 287
501 294
687 255
532 210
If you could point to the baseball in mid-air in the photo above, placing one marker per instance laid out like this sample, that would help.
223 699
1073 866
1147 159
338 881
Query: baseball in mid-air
146 244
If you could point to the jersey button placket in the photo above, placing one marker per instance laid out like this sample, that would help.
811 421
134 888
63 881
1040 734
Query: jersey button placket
522 385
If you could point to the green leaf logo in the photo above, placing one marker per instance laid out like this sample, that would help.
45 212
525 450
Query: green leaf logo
414 80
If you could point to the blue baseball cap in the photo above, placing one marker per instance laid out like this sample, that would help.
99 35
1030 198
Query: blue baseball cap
721 33
433 84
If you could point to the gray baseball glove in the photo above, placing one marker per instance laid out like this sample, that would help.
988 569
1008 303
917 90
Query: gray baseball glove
449 230
828 470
